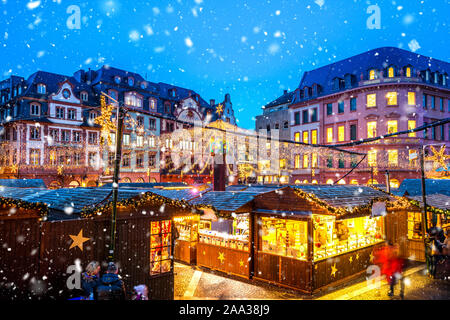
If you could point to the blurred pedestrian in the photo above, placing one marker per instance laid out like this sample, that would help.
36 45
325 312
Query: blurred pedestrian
446 246
391 266
111 286
90 280
437 239
140 292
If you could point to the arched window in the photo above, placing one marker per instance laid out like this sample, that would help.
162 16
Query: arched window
372 74
408 72
353 181
305 181
314 182
84 96
297 182
370 181
341 181
394 183
391 72
330 181
131 81
41 88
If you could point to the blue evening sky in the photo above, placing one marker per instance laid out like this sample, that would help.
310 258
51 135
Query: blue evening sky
251 49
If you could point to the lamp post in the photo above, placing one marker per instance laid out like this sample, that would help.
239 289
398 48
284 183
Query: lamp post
388 182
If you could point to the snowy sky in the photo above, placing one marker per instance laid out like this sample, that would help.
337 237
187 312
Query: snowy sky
251 49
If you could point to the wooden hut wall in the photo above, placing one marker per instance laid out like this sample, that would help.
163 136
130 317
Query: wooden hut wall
19 251
338 269
132 252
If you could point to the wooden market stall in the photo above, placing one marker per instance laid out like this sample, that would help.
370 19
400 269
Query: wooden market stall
225 231
305 239
144 242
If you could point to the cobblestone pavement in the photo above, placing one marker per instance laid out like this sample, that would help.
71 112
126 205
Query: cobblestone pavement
203 284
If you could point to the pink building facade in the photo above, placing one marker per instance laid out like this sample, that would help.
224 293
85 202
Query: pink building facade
381 91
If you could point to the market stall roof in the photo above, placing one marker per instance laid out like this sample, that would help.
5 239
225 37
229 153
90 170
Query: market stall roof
144 185
225 200
22 183
254 187
343 196
440 201
413 187
183 194
285 213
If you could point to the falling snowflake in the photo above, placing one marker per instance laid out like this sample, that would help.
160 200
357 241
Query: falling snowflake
414 45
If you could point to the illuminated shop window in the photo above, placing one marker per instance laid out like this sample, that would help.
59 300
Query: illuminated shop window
305 161
412 156
408 72
160 247
297 161
393 158
353 181
330 181
411 98
297 181
371 129
374 181
284 237
297 137
392 126
372 74
333 237
371 100
391 98
414 225
282 163
314 160
411 125
314 182
394 183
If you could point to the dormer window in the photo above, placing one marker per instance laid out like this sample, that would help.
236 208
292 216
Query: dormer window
444 79
66 93
41 88
372 74
167 108
408 72
84 96
131 81
436 77
35 109
172 92
117 79
152 103
390 72
19 90
427 75
132 99
92 115
143 85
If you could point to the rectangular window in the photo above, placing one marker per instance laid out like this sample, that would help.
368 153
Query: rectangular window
329 109
412 156
140 121
425 101
305 116
35 156
353 132
305 137
411 98
433 102
152 124
77 159
330 134
126 159
411 125
391 98
392 126
353 161
371 100
126 139
65 135
314 115
151 142
139 141
35 110
282 164
71 114
297 118
341 107
341 163
353 104
54 134
92 138
52 157
414 225
442 133
371 129
35 133
297 137
297 161
441 104
140 160
92 159
393 158
314 136
76 136
330 161
59 113
314 161
151 160
305 161
341 133
372 158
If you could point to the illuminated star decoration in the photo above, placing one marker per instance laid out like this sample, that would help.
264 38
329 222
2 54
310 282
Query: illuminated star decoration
333 270
78 240
219 109
60 170
438 158
104 120
357 256
221 257
241 263
371 256
13 168
350 259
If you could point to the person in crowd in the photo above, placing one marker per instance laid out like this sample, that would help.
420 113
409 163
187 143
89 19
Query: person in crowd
391 266
90 280
111 286
437 239
140 292
446 246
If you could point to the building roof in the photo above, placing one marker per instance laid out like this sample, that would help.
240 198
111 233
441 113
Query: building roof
145 185
413 187
436 200
378 58
184 194
343 196
22 183
286 97
225 200
259 188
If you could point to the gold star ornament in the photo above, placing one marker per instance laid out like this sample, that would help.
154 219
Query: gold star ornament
333 270
221 257
219 109
78 240
439 158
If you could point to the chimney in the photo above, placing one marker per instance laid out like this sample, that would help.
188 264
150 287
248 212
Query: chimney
212 102
284 91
